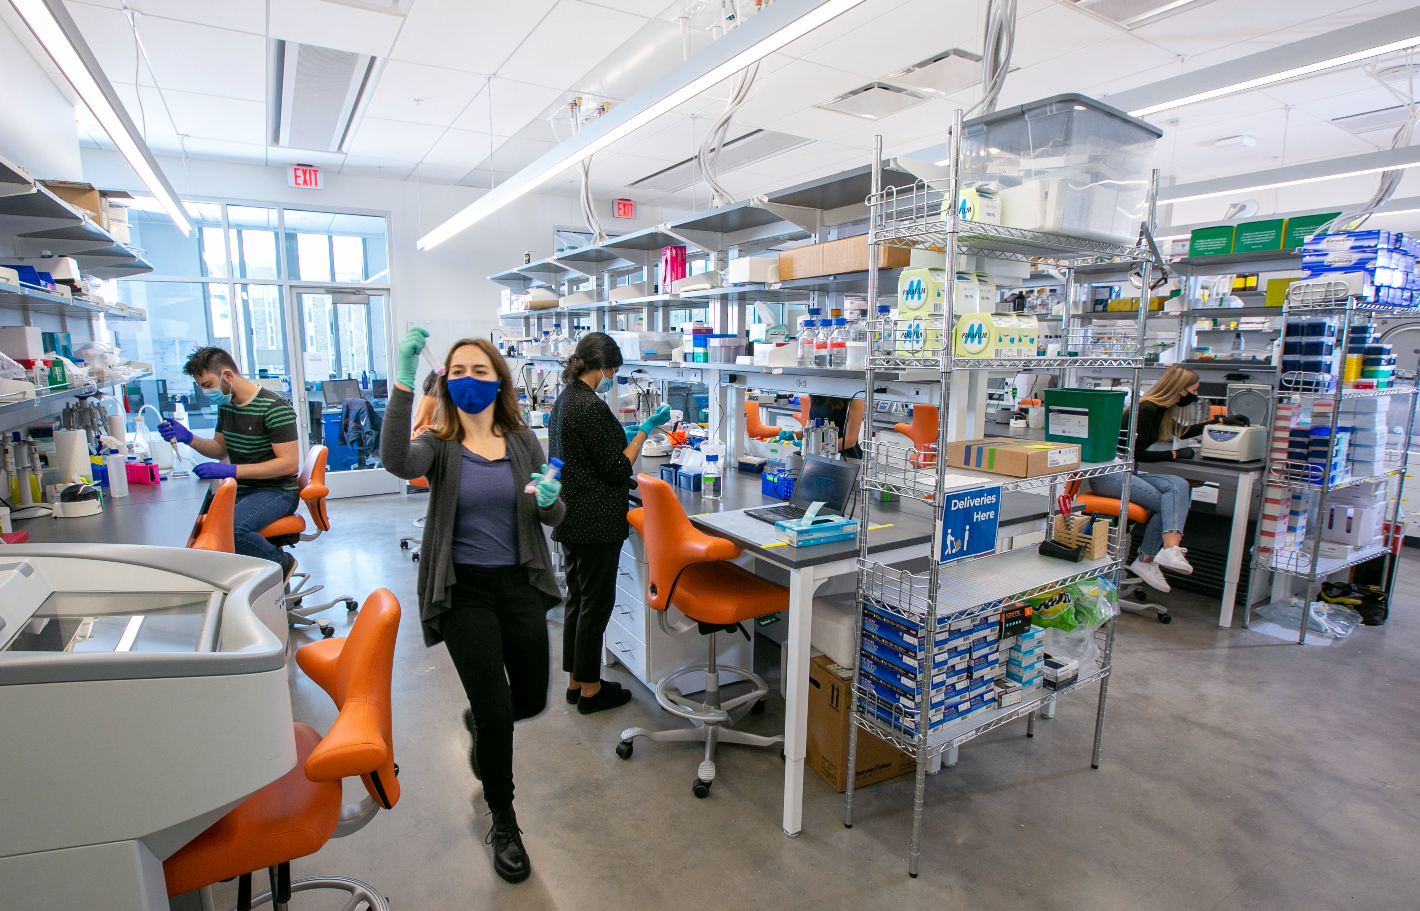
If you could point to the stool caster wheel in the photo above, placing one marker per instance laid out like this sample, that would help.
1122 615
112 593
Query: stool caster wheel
1141 596
327 631
1165 618
700 788
415 558
757 708
351 604
623 749
782 757
404 544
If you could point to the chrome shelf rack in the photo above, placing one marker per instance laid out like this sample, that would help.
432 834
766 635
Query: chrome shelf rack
1304 561
923 216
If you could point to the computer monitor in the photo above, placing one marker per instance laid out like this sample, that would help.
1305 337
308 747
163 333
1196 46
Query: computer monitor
380 389
337 391
830 480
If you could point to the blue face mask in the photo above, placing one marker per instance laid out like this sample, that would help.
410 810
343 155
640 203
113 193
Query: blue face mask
216 396
604 386
472 395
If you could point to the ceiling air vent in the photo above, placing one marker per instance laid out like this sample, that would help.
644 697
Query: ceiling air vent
1134 13
747 149
1384 119
874 101
321 94
945 74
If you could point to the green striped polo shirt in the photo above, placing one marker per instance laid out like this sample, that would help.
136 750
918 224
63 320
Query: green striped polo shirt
249 430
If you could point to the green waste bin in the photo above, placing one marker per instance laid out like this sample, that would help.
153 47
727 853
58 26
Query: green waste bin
1089 417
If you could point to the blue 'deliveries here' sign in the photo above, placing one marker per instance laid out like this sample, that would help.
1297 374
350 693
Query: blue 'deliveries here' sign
969 522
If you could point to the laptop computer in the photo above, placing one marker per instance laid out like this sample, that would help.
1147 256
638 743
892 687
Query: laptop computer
830 480
337 391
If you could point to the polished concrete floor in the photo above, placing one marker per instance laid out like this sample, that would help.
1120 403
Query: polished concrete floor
1238 772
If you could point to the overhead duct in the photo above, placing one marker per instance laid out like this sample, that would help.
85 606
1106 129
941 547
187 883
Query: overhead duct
1390 119
1134 13
945 74
737 153
873 101
320 95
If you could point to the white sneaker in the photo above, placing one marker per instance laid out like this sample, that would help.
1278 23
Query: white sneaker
1151 575
1172 558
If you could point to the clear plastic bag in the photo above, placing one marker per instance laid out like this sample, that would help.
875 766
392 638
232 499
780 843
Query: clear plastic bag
1334 621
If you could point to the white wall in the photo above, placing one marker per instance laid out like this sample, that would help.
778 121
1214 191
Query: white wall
447 286
37 128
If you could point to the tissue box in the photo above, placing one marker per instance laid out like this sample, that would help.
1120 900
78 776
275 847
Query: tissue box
752 270
814 529
22 343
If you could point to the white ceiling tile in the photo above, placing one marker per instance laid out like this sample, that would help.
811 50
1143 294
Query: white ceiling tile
813 123
794 87
513 105
237 15
146 110
277 155
863 16
377 167
335 25
440 174
472 36
423 94
881 44
790 166
461 148
212 117
109 36
394 140
220 150
1044 35
210 61
570 41
621 170
648 8
108 4
1079 69
674 141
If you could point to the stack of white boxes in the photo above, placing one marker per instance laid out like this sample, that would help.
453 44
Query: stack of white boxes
984 647
1353 519
1366 419
1025 657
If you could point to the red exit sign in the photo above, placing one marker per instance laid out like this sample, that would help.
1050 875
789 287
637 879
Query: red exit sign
625 208
305 177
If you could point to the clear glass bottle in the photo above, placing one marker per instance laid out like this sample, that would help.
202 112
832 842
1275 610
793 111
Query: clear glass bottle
710 478
857 342
821 343
1239 348
838 344
807 335
887 344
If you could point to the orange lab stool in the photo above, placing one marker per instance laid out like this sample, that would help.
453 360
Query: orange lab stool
298 813
754 427
923 434
289 530
688 571
213 529
1095 504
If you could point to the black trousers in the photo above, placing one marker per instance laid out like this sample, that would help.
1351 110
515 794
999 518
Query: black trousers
591 594
496 634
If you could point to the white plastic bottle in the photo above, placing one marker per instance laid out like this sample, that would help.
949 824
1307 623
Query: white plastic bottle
887 346
821 344
838 344
180 417
710 478
807 337
117 466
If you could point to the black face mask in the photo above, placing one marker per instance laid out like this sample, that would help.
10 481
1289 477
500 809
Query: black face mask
1188 398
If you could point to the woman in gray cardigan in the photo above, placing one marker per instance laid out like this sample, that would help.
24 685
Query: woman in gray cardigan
485 578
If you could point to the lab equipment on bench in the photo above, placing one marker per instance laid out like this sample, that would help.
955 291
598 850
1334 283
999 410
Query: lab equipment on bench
144 692
829 481
1233 444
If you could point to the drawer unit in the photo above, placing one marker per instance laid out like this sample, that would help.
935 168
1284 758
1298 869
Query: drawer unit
631 611
629 651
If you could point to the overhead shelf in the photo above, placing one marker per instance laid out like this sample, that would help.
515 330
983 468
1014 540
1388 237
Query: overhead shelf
1266 261
20 297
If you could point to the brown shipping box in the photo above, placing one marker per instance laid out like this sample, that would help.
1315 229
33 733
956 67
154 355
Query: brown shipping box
827 745
81 196
1019 460
837 257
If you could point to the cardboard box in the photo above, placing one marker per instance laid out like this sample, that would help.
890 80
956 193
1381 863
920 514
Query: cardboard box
838 256
23 343
80 195
1018 460
827 744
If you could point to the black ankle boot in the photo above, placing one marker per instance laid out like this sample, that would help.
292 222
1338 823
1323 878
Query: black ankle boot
473 743
510 861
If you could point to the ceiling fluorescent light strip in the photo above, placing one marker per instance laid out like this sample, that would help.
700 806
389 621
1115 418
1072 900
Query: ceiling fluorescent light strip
781 24
1282 76
56 31
1287 183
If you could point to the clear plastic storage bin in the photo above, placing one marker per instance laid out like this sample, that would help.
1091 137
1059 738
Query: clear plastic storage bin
1067 164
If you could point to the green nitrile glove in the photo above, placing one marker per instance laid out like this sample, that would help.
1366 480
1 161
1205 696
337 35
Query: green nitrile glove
786 436
631 433
548 488
408 363
657 418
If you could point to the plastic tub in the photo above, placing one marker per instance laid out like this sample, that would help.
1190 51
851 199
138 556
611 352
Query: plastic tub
1067 164
1089 417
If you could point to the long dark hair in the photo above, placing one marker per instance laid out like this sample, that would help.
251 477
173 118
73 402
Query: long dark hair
596 351
507 419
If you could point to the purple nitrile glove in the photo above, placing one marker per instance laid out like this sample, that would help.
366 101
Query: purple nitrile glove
215 471
172 430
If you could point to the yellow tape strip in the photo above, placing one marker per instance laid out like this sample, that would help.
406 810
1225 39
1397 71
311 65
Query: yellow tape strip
876 527
780 544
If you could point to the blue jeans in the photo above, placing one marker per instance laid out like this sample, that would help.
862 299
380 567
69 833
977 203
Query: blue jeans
1165 496
256 508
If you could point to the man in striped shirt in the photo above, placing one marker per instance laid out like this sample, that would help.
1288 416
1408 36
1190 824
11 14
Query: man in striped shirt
256 434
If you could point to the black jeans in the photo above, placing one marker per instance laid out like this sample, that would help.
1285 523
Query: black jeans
591 594
496 634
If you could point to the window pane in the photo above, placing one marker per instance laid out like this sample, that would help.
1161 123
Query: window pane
349 258
316 317
220 313
267 351
253 241
313 256
354 339
214 254
176 325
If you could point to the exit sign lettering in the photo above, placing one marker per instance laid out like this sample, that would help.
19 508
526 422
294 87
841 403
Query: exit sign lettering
305 177
625 208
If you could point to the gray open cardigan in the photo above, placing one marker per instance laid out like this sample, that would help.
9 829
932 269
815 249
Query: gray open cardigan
441 461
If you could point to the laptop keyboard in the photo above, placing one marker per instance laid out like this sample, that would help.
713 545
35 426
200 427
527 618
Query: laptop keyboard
787 511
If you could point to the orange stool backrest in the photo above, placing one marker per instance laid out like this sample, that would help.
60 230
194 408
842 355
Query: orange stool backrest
355 672
215 526
754 426
802 415
672 543
313 489
922 432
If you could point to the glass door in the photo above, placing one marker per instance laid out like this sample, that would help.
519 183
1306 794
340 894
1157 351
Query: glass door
343 359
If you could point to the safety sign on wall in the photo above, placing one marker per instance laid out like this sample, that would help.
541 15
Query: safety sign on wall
969 522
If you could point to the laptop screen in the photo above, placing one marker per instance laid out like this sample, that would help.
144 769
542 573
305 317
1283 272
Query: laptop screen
337 391
829 480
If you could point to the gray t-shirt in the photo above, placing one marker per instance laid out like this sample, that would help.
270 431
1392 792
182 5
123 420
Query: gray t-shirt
486 525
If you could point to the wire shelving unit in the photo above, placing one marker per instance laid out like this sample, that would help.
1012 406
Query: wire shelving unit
924 216
1304 561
